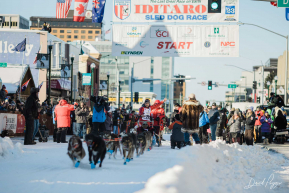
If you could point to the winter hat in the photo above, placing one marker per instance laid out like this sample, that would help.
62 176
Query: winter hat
3 87
75 104
232 109
214 104
147 101
192 96
34 90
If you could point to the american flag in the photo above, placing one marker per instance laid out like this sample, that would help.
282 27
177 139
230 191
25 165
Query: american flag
62 8
108 31
24 86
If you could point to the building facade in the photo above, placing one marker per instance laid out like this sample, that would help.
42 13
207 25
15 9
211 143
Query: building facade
68 30
14 21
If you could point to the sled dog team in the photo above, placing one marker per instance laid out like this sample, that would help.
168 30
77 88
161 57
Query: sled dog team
98 147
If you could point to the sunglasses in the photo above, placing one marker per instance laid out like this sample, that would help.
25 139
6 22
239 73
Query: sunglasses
144 124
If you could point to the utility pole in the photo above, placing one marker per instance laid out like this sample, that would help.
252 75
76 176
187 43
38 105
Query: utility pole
49 76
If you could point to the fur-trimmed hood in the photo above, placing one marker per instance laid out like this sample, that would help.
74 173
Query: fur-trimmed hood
193 102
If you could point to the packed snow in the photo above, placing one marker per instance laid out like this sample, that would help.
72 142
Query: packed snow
216 167
8 149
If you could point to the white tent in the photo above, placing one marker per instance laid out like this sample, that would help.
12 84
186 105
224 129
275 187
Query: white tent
11 75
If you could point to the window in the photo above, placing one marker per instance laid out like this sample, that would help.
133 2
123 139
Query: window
89 37
13 23
82 37
90 32
76 31
121 72
62 31
54 31
6 23
68 41
75 37
96 32
126 82
96 37
69 36
61 36
83 31
69 31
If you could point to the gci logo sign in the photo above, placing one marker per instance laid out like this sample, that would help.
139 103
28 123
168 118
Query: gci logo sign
162 33
228 44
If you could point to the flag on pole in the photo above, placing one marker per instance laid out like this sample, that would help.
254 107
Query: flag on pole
21 47
35 60
80 7
39 87
24 86
108 31
97 10
62 8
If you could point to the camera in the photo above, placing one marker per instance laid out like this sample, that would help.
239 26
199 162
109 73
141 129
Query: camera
98 100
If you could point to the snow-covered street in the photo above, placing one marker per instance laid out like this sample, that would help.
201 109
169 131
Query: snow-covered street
216 167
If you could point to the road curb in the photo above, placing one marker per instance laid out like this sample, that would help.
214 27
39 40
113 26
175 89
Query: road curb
274 151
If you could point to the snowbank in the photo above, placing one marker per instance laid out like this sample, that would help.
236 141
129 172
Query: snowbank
218 167
7 148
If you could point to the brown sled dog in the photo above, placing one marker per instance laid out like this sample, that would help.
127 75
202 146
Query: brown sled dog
113 145
75 150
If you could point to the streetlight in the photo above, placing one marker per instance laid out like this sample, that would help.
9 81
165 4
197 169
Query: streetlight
71 70
268 85
254 91
286 65
49 76
119 93
245 87
108 74
276 80
92 67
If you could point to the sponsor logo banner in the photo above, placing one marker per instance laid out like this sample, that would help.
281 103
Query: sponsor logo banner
177 41
176 11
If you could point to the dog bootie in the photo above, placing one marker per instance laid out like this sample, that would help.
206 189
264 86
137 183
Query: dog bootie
77 164
110 151
148 149
92 166
124 163
127 160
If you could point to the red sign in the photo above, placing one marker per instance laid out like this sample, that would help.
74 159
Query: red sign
60 84
174 45
232 44
20 123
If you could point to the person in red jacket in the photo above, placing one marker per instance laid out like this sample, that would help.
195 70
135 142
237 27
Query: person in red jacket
145 110
62 116
158 114
258 114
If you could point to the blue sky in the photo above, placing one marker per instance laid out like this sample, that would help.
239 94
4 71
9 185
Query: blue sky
256 45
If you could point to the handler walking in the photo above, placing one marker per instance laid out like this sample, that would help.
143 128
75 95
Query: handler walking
31 113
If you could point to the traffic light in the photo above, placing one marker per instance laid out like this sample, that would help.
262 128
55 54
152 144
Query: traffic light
215 6
136 94
210 85
258 99
254 84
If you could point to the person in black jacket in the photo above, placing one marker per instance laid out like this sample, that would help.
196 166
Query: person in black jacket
214 117
249 125
222 123
30 113
280 122
279 101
